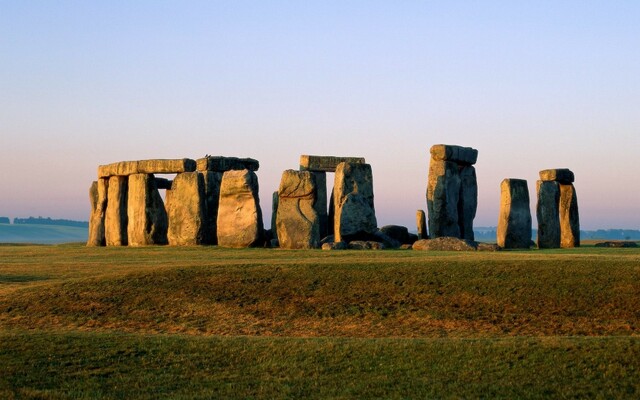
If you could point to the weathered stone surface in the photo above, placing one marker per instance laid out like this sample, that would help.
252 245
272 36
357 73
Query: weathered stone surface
115 221
398 233
331 217
223 164
125 168
212 181
321 202
514 220
467 202
457 154
443 194
547 213
406 247
163 183
617 244
488 247
147 224
355 215
325 163
98 199
569 218
186 210
445 244
365 245
334 246
386 240
297 220
239 214
562 175
421 224
275 200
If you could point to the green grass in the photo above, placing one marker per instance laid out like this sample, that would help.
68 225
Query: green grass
205 322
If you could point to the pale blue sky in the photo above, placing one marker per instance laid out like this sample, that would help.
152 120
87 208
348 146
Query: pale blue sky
531 85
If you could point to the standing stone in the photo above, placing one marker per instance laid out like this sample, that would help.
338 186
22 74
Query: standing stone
355 216
98 198
275 201
514 221
239 214
321 201
443 194
115 224
186 210
297 221
421 223
569 218
331 217
212 182
468 201
547 213
147 223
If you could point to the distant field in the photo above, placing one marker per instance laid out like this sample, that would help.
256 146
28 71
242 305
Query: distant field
42 234
208 322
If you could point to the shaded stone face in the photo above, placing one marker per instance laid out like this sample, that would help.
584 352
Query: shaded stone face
239 214
98 199
443 194
355 216
147 218
569 218
514 221
186 210
325 163
275 200
562 175
467 202
115 225
321 202
297 221
223 164
125 168
421 224
212 181
547 213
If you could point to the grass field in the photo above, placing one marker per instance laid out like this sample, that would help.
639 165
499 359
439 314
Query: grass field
205 322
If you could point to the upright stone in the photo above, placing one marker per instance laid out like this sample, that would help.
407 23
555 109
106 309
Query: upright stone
320 204
355 216
147 223
212 182
569 218
98 199
468 201
331 217
421 224
547 213
443 195
514 221
275 200
297 221
239 214
186 210
115 224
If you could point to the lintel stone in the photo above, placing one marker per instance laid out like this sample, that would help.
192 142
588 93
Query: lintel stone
561 175
457 154
158 166
223 164
325 163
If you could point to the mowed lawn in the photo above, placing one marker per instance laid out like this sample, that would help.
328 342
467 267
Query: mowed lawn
206 322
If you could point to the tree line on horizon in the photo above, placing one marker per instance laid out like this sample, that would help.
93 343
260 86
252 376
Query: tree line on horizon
45 221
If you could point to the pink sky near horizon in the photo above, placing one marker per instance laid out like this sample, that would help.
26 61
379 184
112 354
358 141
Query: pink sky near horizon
531 86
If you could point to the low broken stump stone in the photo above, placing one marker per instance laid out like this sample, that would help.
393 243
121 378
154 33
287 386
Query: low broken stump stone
125 168
239 214
569 217
421 224
445 244
452 191
186 210
547 213
297 220
115 221
355 216
514 220
98 199
399 233
147 218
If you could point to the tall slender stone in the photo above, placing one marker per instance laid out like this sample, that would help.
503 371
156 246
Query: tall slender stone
297 221
547 213
186 210
468 201
514 221
421 224
239 214
212 182
115 225
275 200
355 216
98 199
569 218
147 218
320 204
443 194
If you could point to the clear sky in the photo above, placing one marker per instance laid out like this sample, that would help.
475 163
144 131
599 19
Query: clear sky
530 84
